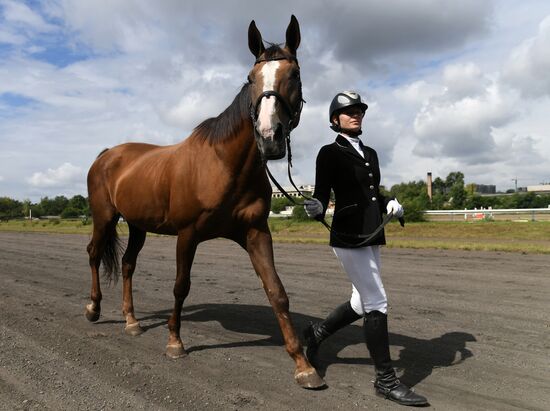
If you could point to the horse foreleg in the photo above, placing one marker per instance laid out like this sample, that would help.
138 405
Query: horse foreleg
185 253
135 244
260 248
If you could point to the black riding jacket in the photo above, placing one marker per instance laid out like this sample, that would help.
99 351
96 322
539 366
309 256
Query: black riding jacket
356 184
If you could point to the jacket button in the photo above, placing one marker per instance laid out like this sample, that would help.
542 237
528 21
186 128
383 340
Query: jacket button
367 164
374 199
370 174
371 187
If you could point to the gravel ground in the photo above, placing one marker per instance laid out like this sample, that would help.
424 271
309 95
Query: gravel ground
470 330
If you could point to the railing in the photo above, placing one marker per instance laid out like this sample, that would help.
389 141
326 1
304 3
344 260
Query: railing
510 214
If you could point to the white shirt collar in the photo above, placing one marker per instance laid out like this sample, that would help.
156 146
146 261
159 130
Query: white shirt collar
350 138
355 143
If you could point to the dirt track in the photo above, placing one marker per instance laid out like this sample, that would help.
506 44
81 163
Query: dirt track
469 330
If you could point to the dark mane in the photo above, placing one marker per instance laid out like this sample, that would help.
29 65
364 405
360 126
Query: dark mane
102 151
225 126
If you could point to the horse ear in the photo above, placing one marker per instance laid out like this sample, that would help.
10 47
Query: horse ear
255 43
293 35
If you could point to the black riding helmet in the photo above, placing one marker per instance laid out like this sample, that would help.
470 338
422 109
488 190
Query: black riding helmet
341 101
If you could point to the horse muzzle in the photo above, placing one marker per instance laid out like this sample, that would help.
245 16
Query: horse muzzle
273 144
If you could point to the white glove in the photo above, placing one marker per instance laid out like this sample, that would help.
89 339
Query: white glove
395 208
313 207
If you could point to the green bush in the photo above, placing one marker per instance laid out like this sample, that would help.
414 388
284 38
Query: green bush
279 204
71 212
298 213
414 210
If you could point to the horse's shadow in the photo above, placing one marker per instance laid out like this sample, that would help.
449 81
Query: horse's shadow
417 359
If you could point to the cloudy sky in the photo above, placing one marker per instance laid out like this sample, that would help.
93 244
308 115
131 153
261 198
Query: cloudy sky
451 85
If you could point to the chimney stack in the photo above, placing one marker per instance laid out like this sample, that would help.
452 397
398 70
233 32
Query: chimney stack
429 185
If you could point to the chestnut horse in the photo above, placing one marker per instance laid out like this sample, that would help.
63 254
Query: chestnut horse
212 184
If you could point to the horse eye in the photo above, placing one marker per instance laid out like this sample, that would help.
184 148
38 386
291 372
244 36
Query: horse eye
249 79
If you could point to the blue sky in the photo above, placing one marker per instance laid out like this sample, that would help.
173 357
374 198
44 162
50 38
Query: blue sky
451 86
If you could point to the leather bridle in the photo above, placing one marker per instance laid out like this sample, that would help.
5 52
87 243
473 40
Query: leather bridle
292 112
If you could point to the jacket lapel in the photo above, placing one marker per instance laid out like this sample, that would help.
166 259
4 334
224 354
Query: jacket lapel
366 152
346 146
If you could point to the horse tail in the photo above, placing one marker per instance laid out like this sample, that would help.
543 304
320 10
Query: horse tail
110 260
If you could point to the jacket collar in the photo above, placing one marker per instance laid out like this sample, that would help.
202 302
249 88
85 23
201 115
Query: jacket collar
346 146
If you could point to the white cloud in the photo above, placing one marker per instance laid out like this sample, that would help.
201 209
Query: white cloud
366 31
20 14
459 122
8 37
417 92
529 64
464 80
153 71
59 177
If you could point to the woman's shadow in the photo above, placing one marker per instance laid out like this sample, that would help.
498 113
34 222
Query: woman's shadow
417 359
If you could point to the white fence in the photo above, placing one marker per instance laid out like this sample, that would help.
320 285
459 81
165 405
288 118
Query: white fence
510 214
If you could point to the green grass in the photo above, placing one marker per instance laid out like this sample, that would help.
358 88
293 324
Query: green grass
53 226
525 237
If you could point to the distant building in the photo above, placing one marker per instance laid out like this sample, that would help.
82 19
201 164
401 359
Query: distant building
485 188
539 189
306 189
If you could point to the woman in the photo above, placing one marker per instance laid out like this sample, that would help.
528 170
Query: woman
351 170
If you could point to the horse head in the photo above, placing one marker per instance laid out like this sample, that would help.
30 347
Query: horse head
275 90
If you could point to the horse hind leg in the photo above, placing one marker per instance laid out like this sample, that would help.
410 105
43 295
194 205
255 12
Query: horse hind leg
135 244
104 236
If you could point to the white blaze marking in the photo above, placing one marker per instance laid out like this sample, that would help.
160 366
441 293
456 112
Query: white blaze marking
267 117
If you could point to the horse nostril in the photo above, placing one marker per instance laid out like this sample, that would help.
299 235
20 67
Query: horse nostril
278 130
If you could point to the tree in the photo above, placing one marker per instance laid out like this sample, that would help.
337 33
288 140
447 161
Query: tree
455 177
53 206
27 207
71 212
455 184
79 203
527 200
414 198
439 187
457 196
438 201
10 208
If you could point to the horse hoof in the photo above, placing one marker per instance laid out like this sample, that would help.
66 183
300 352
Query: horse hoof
133 329
310 380
92 315
175 351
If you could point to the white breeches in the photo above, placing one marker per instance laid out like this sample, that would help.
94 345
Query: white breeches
362 266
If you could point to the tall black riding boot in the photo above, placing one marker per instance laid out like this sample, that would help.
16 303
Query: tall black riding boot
315 334
386 383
